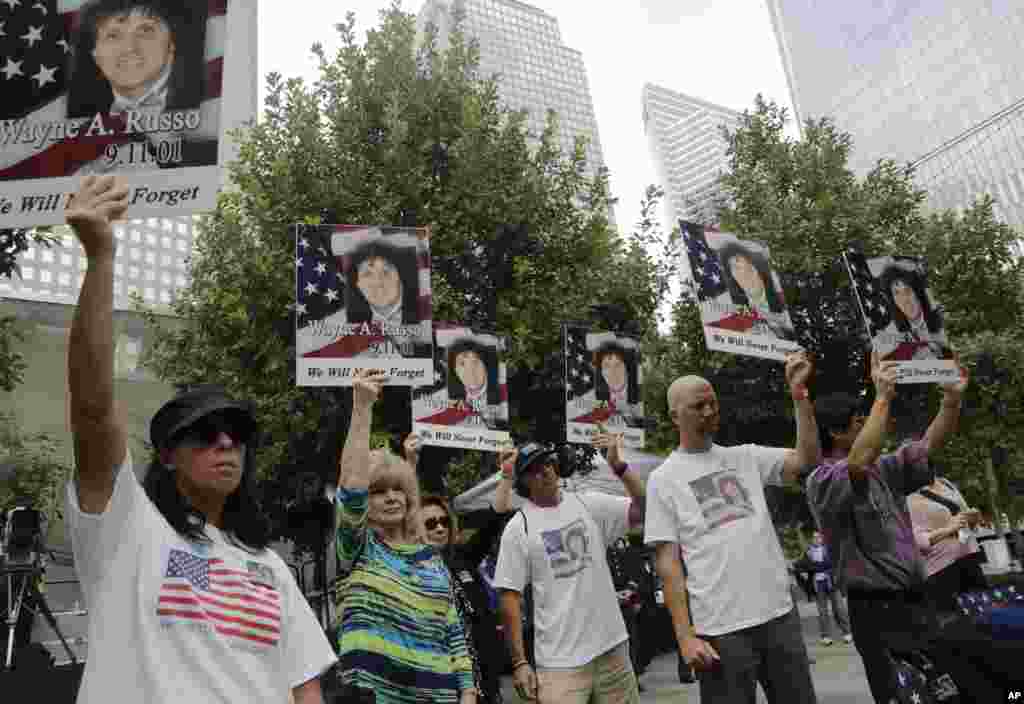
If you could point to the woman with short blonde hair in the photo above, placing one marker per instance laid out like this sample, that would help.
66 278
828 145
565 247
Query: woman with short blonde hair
401 637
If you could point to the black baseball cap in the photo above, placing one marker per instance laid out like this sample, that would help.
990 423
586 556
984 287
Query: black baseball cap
530 454
190 406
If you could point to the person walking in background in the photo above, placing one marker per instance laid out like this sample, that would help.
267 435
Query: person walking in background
558 544
463 561
818 562
710 501
186 601
401 636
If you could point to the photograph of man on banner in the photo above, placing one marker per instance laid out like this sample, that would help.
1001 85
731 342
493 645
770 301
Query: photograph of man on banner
470 391
902 317
363 293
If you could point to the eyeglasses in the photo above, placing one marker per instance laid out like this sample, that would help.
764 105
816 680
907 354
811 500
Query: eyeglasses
206 431
432 523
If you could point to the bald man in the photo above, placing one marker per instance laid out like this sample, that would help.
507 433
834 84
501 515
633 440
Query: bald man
709 500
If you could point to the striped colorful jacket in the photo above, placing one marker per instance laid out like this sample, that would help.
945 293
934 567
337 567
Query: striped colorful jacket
401 634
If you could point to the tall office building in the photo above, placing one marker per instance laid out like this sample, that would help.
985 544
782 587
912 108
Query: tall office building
685 140
939 84
537 71
150 261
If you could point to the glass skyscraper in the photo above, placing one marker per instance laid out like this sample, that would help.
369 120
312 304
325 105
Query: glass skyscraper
685 140
936 83
537 71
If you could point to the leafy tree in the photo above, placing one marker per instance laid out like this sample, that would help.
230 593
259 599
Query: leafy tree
12 243
401 133
31 469
800 198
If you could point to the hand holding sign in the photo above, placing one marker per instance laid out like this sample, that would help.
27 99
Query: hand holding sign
366 387
411 448
100 200
613 443
884 376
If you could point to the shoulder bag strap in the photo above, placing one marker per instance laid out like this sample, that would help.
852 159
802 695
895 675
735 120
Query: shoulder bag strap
948 503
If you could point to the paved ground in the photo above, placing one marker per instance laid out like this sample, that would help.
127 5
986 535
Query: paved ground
838 673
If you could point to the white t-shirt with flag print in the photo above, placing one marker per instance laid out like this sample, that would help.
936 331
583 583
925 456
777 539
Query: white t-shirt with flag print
712 505
174 621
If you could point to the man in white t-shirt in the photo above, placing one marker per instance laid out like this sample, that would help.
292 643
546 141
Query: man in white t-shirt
186 602
710 500
557 543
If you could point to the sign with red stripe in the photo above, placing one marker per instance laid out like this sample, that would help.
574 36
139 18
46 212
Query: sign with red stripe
90 92
239 604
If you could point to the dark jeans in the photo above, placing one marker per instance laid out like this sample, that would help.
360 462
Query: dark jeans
895 623
772 653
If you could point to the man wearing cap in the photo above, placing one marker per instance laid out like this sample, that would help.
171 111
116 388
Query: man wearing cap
186 602
557 543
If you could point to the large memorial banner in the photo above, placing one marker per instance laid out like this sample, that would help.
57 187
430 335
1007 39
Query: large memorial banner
603 378
741 302
467 405
363 301
130 88
902 317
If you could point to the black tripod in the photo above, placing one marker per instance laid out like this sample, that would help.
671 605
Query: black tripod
23 592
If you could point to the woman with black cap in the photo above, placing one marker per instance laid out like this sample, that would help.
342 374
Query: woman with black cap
186 602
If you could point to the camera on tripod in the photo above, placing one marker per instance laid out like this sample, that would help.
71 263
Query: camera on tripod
22 537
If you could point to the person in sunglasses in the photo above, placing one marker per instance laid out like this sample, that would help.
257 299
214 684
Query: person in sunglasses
557 545
186 602
401 634
463 561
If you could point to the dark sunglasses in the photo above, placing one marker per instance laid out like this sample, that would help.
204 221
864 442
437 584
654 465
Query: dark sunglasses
206 431
432 523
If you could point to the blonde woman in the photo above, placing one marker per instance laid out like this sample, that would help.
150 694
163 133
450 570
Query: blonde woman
401 637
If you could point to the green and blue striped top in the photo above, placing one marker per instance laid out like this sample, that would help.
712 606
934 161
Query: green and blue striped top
401 634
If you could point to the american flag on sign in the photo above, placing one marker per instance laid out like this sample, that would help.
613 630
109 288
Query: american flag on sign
236 603
326 300
37 47
579 372
874 306
704 264
431 404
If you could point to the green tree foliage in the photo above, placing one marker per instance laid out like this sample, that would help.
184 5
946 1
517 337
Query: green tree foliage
12 243
33 473
801 199
396 132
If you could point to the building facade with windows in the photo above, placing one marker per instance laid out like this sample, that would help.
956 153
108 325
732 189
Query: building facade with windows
152 261
938 84
537 72
684 136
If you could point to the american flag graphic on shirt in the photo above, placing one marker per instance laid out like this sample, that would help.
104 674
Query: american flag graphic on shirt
36 53
238 604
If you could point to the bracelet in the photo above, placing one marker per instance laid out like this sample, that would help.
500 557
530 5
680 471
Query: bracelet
620 469
799 393
519 664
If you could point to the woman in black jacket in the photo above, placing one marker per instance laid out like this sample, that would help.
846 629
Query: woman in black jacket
463 560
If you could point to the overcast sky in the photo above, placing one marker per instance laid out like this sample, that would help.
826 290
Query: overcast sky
723 51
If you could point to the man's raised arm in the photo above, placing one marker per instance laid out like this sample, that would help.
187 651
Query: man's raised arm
807 452
99 435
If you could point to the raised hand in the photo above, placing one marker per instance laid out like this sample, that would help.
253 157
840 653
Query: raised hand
956 389
614 443
884 376
507 461
798 369
366 386
411 448
100 200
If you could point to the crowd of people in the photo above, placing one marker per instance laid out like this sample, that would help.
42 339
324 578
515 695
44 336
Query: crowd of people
187 603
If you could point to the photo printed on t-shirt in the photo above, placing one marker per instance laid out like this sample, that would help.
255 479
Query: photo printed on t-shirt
722 498
568 549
